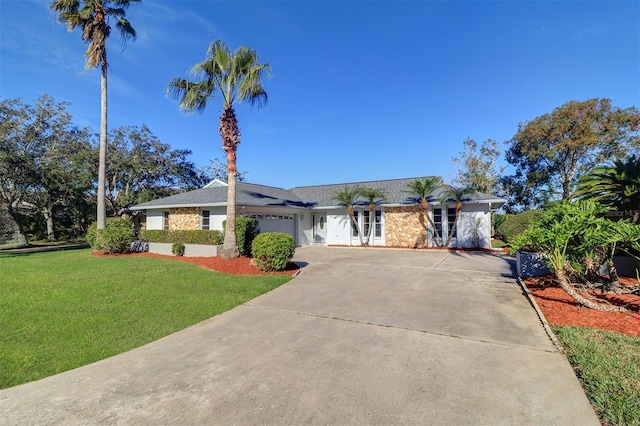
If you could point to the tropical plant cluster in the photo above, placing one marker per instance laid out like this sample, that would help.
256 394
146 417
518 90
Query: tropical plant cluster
578 239
196 236
272 251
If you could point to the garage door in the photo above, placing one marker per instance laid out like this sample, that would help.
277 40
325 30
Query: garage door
275 223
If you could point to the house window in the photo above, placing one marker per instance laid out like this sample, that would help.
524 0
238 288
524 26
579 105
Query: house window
354 228
437 220
165 221
451 218
204 219
367 223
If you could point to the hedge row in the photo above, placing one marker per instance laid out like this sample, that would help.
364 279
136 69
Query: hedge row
197 236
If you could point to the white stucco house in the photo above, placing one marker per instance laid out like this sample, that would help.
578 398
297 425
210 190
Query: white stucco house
312 216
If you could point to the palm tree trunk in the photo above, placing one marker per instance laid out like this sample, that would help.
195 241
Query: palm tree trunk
425 212
102 158
230 140
564 283
455 225
371 224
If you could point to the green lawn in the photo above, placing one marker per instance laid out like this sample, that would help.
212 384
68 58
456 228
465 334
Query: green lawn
61 310
608 366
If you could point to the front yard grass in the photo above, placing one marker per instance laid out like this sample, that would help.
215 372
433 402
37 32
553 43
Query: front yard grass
61 310
608 366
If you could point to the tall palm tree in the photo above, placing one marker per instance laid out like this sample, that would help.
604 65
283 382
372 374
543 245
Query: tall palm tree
616 186
229 78
93 18
422 190
456 195
372 195
347 197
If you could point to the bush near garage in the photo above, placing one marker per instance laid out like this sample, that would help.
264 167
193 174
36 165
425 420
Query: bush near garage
516 224
273 250
116 237
247 228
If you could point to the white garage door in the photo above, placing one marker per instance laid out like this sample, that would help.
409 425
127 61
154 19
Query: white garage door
276 223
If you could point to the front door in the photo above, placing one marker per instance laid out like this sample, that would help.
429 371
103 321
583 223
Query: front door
319 228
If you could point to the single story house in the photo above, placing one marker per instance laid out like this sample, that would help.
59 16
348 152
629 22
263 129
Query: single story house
312 216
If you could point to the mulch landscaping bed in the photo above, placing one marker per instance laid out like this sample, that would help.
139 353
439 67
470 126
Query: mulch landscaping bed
560 309
240 265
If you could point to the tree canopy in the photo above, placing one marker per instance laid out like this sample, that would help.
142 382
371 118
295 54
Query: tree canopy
551 151
478 167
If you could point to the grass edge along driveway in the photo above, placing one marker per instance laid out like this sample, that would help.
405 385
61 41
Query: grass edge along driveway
61 310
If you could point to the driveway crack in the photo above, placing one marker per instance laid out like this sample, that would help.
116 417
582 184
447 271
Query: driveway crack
453 336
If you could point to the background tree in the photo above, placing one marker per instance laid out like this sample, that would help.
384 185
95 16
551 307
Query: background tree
553 150
217 169
478 166
347 198
93 18
142 168
41 159
236 77
616 186
422 190
372 196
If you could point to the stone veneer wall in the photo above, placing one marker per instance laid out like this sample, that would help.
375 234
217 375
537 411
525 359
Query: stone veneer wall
403 227
184 219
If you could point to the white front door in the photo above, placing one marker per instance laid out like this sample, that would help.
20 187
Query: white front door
319 228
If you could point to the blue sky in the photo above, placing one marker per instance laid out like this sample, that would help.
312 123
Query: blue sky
359 90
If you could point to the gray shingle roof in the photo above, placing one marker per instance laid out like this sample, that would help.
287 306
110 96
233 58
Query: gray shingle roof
299 197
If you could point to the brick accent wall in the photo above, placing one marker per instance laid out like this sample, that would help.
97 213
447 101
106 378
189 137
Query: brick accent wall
184 219
403 227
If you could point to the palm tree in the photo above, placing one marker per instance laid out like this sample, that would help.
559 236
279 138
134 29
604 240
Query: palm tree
422 189
616 186
92 17
347 197
457 195
372 195
229 78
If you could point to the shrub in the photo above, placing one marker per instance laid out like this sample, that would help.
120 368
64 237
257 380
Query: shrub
116 237
497 219
273 250
247 228
177 249
196 236
515 224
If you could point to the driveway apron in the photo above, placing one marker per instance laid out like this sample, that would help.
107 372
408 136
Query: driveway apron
360 336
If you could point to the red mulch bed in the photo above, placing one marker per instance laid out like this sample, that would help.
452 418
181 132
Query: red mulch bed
240 265
560 309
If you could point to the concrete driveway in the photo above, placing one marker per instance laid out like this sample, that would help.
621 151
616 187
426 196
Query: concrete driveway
359 337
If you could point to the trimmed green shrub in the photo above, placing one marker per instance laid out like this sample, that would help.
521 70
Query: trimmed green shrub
116 237
177 249
497 219
247 228
196 236
516 224
273 250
